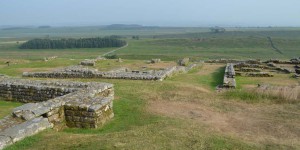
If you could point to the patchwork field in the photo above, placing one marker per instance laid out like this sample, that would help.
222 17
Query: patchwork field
184 111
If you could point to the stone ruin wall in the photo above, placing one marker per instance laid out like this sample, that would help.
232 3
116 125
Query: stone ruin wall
88 62
229 76
57 104
31 93
255 66
84 72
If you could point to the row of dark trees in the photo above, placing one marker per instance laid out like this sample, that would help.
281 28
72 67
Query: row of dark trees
73 43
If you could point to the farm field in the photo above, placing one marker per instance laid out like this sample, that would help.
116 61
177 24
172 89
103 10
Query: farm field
182 112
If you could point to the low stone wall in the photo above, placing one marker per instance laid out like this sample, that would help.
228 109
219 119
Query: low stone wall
184 61
31 92
295 60
285 70
153 61
123 73
75 104
258 74
277 61
250 70
247 65
253 70
88 62
225 61
50 58
229 76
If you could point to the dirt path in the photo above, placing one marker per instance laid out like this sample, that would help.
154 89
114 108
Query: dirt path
114 50
247 122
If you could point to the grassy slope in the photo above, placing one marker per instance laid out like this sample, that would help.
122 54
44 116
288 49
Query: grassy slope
17 67
169 44
11 51
209 48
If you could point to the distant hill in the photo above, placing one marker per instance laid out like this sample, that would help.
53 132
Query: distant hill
16 28
128 26
44 27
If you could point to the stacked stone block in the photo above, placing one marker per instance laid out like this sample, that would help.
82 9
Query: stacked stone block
88 115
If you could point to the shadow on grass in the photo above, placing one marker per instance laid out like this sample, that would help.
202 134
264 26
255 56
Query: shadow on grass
217 77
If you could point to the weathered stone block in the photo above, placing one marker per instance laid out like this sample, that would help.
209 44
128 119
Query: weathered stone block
54 118
184 62
76 119
71 124
27 128
69 113
5 141
69 118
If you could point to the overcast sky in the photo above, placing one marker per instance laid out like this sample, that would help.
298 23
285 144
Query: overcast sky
151 12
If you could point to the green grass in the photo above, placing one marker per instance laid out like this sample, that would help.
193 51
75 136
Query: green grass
17 67
6 107
210 48
26 143
245 96
129 112
113 64
208 80
237 43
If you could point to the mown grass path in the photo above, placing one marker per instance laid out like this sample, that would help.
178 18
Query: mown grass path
115 50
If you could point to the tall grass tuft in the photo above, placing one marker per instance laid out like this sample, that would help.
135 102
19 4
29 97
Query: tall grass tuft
283 93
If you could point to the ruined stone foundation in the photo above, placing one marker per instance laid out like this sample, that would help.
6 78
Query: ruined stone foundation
51 104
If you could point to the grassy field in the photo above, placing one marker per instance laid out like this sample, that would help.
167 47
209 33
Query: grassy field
182 112
165 43
11 51
6 107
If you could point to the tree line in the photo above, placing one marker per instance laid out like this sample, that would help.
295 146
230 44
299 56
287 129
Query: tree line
73 43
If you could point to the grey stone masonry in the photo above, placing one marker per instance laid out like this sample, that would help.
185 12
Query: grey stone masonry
229 76
153 61
123 73
184 61
250 61
277 61
53 103
25 129
88 62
